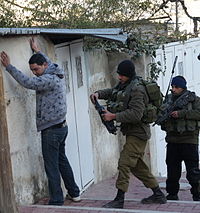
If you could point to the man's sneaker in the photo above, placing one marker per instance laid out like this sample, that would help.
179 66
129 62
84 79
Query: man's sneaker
118 204
172 197
74 199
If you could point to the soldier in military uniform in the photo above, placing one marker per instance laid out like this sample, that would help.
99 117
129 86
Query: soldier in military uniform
126 104
182 132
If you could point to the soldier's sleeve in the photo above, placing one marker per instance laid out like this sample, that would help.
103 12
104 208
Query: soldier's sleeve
105 94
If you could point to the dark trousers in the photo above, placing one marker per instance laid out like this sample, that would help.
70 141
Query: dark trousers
56 164
176 153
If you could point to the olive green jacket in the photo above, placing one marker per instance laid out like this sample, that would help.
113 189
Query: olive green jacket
131 117
184 129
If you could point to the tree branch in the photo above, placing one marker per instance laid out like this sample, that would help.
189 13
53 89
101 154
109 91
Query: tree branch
17 5
160 7
195 19
186 12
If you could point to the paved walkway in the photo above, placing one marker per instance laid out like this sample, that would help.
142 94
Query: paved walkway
99 194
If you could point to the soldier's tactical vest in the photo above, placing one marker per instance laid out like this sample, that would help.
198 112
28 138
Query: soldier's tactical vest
121 96
180 125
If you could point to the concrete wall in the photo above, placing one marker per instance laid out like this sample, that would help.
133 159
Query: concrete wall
25 147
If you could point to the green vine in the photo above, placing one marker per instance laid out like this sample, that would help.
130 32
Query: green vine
135 46
154 70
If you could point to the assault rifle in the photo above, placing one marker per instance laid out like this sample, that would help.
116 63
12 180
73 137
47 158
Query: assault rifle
108 124
180 102
172 73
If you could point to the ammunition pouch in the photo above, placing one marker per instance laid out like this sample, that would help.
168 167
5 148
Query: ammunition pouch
153 91
184 102
115 107
180 125
119 100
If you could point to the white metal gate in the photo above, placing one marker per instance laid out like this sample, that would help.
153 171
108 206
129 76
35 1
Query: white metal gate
187 65
78 143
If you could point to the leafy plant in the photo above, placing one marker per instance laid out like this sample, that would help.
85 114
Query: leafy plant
155 70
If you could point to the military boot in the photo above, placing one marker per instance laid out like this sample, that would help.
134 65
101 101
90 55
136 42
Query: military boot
157 197
118 202
195 191
196 197
172 197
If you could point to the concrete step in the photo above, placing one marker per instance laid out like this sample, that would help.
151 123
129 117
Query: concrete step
77 209
94 198
131 205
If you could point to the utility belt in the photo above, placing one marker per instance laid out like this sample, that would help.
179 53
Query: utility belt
60 125
180 125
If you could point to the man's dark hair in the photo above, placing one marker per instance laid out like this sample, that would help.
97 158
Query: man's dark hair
37 59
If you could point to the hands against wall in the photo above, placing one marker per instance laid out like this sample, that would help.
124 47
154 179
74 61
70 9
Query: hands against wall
5 59
34 45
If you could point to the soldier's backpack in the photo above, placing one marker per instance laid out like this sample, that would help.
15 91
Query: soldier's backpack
155 100
151 109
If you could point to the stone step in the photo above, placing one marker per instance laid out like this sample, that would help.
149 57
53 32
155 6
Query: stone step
131 205
77 209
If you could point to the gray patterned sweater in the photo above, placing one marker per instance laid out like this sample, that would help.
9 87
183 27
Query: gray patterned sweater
50 89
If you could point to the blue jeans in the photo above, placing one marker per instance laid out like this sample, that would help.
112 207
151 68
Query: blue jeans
56 164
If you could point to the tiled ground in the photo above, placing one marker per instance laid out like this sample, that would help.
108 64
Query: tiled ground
99 194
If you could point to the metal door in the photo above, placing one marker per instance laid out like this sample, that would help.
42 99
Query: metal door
78 142
81 98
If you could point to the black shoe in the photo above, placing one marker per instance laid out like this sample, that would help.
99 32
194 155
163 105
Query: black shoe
157 197
118 204
196 197
154 199
172 197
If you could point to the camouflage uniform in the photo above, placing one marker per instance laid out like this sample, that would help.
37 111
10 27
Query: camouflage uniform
128 101
182 144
